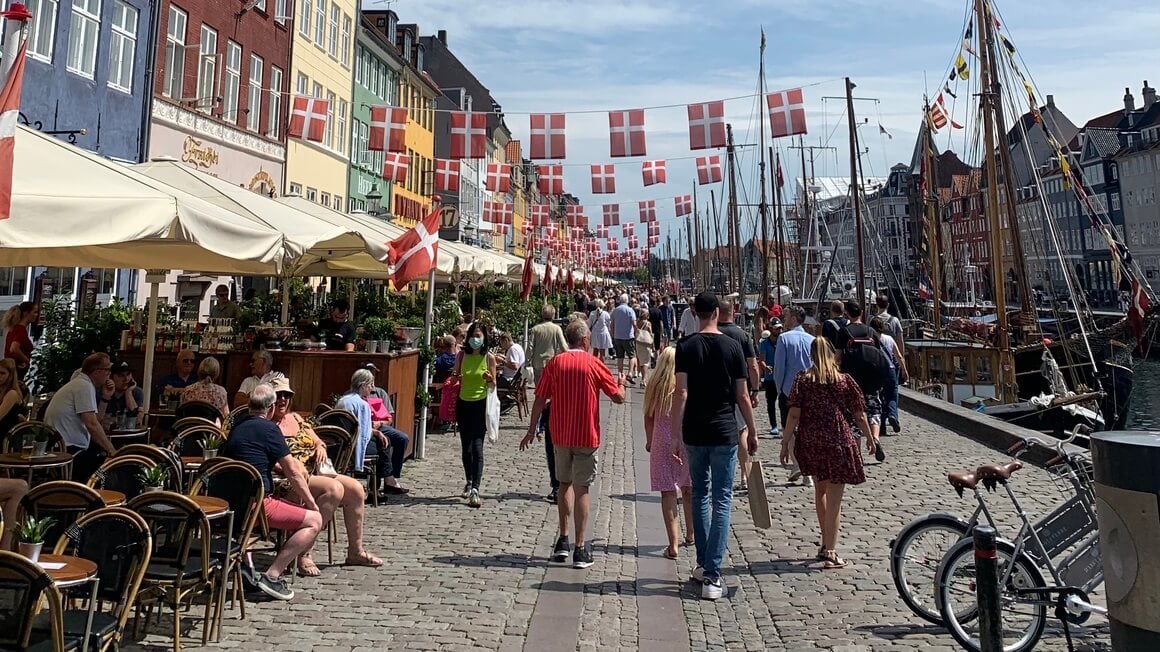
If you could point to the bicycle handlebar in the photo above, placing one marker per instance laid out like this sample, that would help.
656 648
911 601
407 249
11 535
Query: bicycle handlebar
1058 446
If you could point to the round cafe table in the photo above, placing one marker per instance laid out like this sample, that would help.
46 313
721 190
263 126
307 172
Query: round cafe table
112 498
75 570
213 507
17 462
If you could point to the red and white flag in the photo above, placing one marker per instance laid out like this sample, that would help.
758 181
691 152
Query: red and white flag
551 181
787 113
574 215
648 210
653 172
628 230
683 204
468 134
9 116
611 214
528 277
547 282
413 254
395 166
939 115
626 132
707 125
499 177
498 212
388 129
308 118
708 169
502 229
547 136
446 175
540 214
1138 311
603 179
602 232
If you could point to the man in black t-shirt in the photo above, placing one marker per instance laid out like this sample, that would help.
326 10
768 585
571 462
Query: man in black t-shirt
832 327
711 383
337 333
736 333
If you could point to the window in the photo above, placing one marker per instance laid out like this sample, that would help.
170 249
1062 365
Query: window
338 202
84 27
341 132
275 118
355 152
296 189
175 53
328 136
42 30
254 94
302 84
317 90
311 194
320 24
280 13
325 199
207 68
346 29
335 12
233 81
13 279
358 65
304 18
122 46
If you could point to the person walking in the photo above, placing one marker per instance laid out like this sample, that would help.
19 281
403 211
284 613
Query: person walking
727 327
475 368
645 344
792 356
861 356
666 472
573 381
766 354
689 323
624 336
599 323
711 384
889 392
545 341
823 403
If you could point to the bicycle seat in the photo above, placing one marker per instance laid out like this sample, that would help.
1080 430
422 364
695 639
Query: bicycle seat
997 471
963 480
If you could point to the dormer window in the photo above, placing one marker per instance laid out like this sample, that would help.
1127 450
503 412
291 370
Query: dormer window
407 47
392 27
419 58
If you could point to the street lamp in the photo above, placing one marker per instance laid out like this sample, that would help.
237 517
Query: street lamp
374 200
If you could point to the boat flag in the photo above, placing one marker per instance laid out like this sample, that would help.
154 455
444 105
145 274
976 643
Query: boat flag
413 254
961 68
948 91
1138 310
9 116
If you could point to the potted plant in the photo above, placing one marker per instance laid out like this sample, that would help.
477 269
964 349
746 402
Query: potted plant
375 331
210 446
31 534
153 478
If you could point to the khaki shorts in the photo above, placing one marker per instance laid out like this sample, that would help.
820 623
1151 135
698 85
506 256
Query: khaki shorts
576 465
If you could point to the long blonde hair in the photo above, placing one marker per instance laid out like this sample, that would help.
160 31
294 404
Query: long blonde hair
662 383
825 368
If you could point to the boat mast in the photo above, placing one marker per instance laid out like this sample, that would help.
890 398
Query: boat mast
775 180
1005 378
930 207
855 194
762 206
696 264
804 218
737 283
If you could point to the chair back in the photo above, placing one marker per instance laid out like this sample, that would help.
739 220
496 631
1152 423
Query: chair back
341 418
321 409
190 443
123 474
207 411
181 425
15 439
160 456
23 585
61 500
175 522
339 445
237 483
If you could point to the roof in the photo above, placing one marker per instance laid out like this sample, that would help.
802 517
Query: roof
1105 142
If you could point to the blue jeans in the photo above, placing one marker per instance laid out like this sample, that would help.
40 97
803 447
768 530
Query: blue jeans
890 396
712 469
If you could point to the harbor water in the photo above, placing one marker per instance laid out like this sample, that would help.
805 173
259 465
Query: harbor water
1144 408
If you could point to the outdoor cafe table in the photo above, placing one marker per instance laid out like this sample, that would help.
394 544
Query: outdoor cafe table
112 498
65 572
17 462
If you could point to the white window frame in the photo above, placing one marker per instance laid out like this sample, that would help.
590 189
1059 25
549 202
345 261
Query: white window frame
332 44
84 37
347 29
341 132
305 10
42 28
302 84
174 82
275 103
207 68
280 14
320 24
254 94
328 136
123 46
231 88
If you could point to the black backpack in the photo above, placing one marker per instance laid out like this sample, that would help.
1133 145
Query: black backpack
863 358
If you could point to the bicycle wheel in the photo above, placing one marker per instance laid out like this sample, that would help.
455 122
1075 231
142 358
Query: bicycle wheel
914 558
1023 619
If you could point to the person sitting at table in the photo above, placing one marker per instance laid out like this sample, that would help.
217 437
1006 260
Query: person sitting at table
375 434
120 393
337 333
262 370
224 308
12 492
329 491
72 412
17 343
183 375
382 420
510 360
13 406
444 358
205 389
256 440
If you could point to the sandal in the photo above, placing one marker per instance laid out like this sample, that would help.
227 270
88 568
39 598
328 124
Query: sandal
833 561
670 553
307 568
690 541
363 559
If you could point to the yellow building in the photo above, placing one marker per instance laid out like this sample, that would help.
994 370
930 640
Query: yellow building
411 201
320 66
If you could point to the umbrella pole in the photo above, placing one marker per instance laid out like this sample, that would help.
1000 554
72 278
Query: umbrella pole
150 345
350 292
285 301
421 436
473 300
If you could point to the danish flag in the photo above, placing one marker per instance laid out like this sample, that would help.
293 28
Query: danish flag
611 214
574 215
395 167
787 113
613 245
413 254
628 230
388 129
468 134
602 232
497 212
10 108
708 169
501 229
547 136
528 276
683 204
603 179
648 210
653 172
707 125
308 118
653 228
551 181
626 132
446 175
540 214
499 177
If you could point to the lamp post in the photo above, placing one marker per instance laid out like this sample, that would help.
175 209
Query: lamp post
374 200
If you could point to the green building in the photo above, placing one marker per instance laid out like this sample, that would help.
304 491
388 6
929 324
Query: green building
376 82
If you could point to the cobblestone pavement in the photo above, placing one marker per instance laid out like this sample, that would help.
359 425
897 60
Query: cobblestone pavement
461 579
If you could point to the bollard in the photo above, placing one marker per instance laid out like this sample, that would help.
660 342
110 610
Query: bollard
987 590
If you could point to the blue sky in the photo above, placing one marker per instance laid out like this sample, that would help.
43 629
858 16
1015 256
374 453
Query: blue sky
581 55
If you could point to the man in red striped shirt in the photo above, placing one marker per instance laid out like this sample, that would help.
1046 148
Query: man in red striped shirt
572 381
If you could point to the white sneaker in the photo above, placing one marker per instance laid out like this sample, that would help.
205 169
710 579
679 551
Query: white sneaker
795 476
466 492
699 574
807 481
474 500
712 589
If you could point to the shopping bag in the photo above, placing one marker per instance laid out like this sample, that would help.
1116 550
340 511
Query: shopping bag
449 398
758 500
492 415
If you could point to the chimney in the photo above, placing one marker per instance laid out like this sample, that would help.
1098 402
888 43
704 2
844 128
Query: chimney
1051 101
1149 95
1129 101
442 36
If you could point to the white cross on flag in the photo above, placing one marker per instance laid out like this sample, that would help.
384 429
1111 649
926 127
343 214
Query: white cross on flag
628 230
501 229
653 228
497 212
308 118
499 177
551 181
787 113
468 134
648 210
446 175
603 179
540 214
708 169
611 214
395 167
413 254
547 136
707 125
9 116
388 129
574 215
602 232
683 204
613 245
653 172
626 132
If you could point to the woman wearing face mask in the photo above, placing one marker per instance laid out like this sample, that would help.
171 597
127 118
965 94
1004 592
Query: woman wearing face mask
475 368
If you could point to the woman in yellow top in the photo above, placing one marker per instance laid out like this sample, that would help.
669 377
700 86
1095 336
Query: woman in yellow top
475 368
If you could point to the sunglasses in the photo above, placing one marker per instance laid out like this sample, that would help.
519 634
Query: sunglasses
285 396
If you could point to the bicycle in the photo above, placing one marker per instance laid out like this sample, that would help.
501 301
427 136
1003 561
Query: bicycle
920 546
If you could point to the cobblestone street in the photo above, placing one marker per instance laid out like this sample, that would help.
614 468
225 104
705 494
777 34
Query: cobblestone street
461 579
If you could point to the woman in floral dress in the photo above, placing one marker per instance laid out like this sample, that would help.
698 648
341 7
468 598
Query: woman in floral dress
667 473
823 404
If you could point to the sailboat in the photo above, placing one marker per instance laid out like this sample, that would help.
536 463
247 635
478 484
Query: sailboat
1009 364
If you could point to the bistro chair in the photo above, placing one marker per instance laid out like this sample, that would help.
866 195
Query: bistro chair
240 485
62 500
321 409
517 393
340 449
159 456
122 473
23 585
177 572
190 442
117 540
181 425
348 422
15 439
207 411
